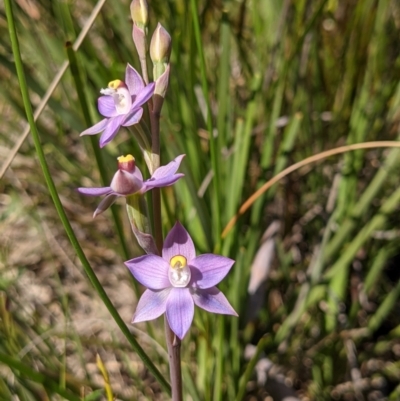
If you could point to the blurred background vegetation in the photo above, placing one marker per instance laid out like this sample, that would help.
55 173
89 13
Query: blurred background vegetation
255 86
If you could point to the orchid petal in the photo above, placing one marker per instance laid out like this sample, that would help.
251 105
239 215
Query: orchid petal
151 305
105 204
138 174
95 191
143 96
169 169
180 310
125 183
208 269
164 176
106 106
213 300
114 124
178 242
150 270
132 117
133 80
163 182
95 129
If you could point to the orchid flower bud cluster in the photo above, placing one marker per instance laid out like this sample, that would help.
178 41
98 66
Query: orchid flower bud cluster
176 278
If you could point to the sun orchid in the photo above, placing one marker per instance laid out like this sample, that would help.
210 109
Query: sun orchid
179 280
128 180
121 104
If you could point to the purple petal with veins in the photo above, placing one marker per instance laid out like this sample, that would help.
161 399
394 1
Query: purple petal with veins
168 169
178 242
114 124
95 191
162 182
151 305
209 269
143 96
180 310
150 270
95 129
213 300
106 106
133 80
132 117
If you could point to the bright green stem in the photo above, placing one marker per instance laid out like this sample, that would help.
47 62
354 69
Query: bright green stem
219 368
385 308
224 76
60 210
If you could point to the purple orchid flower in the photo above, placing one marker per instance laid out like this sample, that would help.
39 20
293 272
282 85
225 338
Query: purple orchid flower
178 280
121 105
128 180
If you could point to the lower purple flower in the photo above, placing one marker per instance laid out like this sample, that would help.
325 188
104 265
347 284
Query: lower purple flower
179 280
128 180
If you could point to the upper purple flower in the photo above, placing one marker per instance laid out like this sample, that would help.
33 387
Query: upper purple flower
128 180
178 280
121 105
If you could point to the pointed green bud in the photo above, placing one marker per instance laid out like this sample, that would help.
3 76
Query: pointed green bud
160 51
140 13
162 83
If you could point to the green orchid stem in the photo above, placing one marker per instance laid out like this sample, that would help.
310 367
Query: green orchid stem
173 342
60 210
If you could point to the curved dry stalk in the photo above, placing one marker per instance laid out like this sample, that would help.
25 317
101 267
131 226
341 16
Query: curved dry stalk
52 87
314 158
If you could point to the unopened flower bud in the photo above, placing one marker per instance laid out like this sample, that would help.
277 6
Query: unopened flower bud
140 13
160 50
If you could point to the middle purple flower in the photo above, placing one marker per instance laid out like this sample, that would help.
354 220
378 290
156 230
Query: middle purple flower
128 180
121 104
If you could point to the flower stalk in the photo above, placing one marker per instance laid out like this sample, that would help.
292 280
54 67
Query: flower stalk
173 342
160 50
